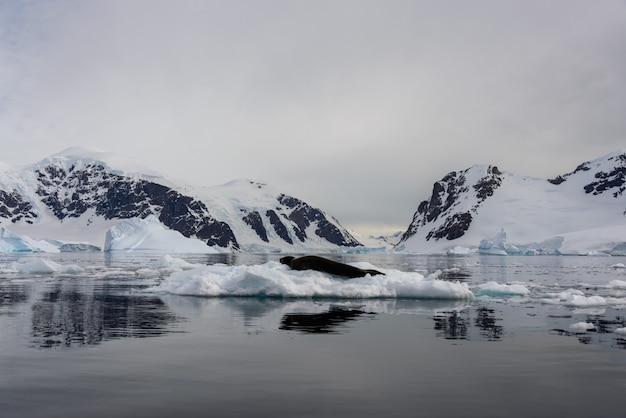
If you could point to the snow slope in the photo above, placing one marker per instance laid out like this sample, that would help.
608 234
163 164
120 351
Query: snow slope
80 195
577 213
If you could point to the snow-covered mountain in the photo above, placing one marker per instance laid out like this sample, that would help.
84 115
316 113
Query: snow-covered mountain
482 207
79 195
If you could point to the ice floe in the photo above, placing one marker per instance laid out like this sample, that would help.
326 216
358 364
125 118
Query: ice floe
273 279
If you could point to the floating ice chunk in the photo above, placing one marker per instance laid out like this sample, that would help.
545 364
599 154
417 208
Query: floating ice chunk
459 250
493 289
598 254
621 284
70 269
557 298
167 261
620 331
42 266
582 301
582 326
618 266
273 279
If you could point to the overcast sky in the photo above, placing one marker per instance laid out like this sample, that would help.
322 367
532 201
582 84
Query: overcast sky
355 106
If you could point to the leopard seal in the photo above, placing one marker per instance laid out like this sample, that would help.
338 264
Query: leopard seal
313 262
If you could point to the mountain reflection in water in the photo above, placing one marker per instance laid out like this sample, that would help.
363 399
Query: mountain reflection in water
457 325
66 318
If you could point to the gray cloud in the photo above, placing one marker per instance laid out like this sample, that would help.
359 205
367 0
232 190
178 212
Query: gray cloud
356 105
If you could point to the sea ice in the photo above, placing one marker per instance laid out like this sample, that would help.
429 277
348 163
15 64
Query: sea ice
273 279
620 331
620 284
582 326
43 266
460 250
494 289
169 262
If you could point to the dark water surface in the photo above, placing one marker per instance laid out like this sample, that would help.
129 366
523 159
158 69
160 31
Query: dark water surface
94 344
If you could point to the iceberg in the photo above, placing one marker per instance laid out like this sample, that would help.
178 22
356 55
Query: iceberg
13 243
495 247
148 234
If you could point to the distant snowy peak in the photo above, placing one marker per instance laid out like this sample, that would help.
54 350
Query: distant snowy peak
78 157
90 190
76 187
467 206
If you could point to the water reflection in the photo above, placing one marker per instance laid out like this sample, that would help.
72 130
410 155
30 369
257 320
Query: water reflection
70 317
602 333
13 294
452 325
457 325
486 322
321 323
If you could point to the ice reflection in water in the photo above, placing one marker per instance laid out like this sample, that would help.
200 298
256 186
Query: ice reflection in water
71 318
602 331
457 325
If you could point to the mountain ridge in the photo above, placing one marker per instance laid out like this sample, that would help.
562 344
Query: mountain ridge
83 189
467 206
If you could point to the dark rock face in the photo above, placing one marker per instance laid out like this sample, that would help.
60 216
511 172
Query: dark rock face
453 228
486 186
87 189
303 215
446 196
15 208
449 212
71 193
279 227
612 181
254 220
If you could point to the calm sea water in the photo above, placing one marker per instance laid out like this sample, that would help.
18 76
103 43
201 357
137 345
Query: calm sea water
95 344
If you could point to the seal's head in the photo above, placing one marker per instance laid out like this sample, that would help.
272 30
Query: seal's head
287 260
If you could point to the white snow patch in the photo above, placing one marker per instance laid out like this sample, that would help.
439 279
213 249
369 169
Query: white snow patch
149 234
